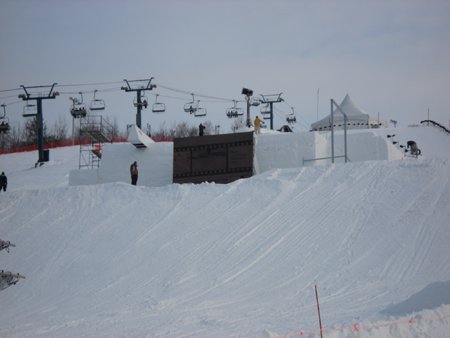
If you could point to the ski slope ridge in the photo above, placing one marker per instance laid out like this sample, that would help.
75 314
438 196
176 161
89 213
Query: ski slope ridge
236 260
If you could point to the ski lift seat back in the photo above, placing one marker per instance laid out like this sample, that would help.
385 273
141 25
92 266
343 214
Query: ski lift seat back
144 102
200 112
234 112
4 122
191 107
78 111
4 126
265 109
29 110
291 119
158 107
97 104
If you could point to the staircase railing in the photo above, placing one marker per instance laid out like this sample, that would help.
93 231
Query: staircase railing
436 125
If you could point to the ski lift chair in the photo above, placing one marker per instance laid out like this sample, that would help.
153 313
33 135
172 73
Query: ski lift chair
239 112
265 111
4 125
158 107
291 119
78 109
200 112
254 101
29 110
97 104
4 122
234 111
144 102
191 107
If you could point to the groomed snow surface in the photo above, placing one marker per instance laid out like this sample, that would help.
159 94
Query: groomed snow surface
235 260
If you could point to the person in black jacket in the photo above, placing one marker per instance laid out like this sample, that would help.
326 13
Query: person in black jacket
3 181
134 173
201 130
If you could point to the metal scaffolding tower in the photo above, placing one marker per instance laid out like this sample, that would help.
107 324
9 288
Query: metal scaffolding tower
94 132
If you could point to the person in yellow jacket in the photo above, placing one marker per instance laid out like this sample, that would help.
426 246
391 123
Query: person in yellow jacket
257 124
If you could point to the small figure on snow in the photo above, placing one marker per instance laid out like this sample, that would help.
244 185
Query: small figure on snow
412 146
134 173
3 181
201 129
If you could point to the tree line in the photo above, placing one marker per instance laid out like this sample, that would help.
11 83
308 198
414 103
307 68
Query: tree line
26 134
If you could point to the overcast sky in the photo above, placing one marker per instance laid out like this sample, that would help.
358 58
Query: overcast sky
391 56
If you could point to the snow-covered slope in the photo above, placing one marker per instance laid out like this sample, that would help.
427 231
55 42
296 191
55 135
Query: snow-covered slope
236 260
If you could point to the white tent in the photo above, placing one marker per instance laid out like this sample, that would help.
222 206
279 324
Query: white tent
356 118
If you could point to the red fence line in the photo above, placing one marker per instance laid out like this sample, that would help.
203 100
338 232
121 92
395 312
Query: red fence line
69 143
365 327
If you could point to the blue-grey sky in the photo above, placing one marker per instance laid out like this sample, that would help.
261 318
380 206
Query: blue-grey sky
391 56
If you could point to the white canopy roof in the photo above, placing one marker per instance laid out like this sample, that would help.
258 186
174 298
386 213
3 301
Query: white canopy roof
357 118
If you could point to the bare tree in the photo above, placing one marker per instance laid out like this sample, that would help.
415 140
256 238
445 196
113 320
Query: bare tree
59 129
31 131
237 124
14 138
114 126
184 130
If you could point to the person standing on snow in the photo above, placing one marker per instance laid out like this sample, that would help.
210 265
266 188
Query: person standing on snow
3 181
134 173
257 124
201 129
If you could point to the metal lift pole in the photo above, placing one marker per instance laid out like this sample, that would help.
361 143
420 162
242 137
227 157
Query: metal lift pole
271 115
39 116
271 99
40 126
139 109
138 91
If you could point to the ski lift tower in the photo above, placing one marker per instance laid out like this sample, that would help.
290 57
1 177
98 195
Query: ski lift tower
38 96
139 89
270 100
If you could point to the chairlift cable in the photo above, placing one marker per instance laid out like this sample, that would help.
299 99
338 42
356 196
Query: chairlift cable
7 97
91 91
301 117
196 94
14 102
90 84
10 90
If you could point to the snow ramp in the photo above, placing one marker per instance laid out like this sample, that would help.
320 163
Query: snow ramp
236 260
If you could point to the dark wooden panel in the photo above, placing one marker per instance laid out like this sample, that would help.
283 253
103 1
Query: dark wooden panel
213 158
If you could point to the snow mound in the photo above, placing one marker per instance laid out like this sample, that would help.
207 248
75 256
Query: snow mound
235 260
